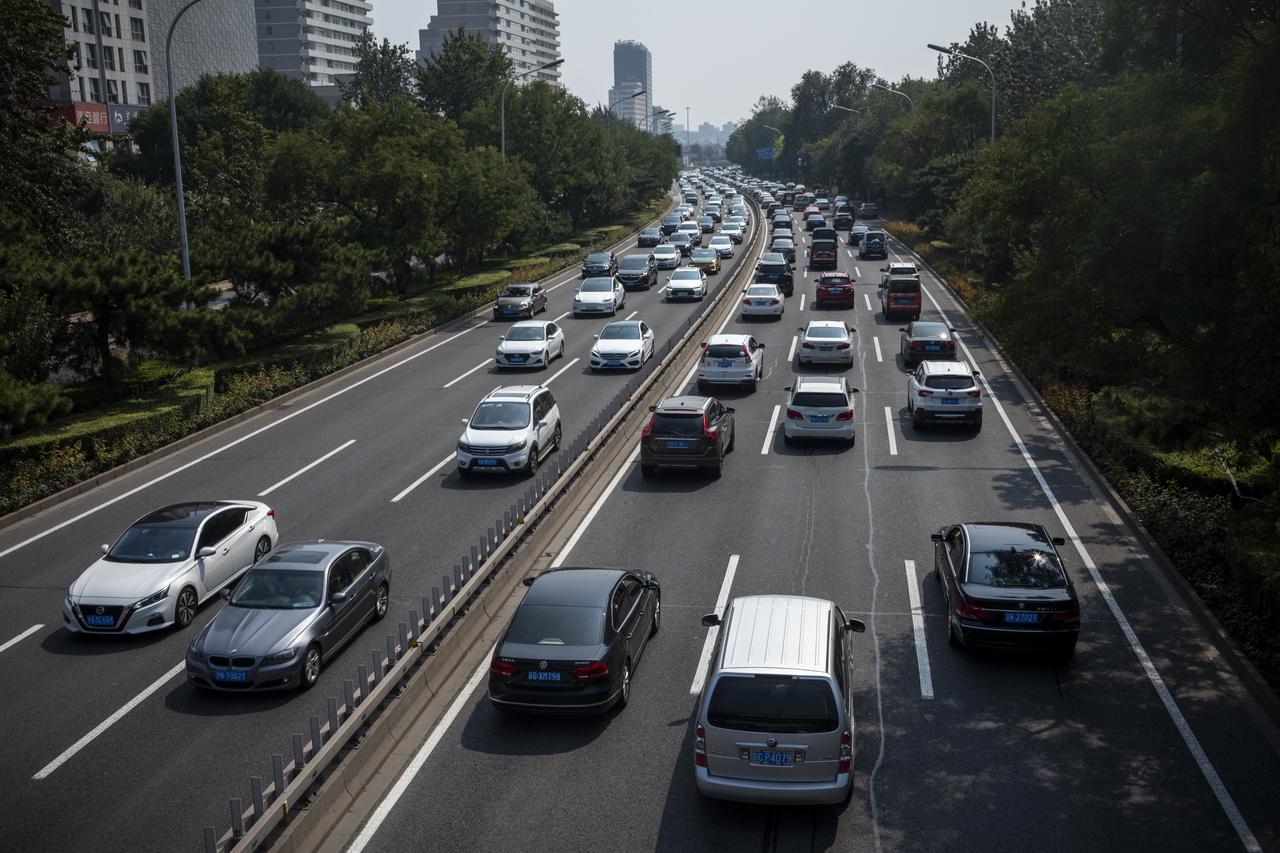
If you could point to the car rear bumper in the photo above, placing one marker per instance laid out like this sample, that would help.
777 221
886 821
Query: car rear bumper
592 699
822 263
1031 639
849 299
635 283
839 430
762 310
731 376
784 793
950 413
816 357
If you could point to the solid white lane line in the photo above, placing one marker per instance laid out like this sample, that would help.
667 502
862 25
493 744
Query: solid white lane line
595 509
866 297
556 375
802 302
632 314
879 355
893 439
401 785
917 627
108 722
709 644
230 444
1216 785
768 434
562 316
305 468
453 382
791 353
21 637
418 482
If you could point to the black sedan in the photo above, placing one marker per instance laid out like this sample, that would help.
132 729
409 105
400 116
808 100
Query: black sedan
651 237
637 272
1005 587
599 264
575 640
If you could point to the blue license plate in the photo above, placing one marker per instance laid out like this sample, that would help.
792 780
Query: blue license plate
724 364
1022 618
229 675
544 676
826 349
99 621
770 758
949 401
677 443
820 419
517 358
613 362
933 347
488 462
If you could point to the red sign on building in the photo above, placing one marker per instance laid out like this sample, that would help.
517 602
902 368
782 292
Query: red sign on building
92 117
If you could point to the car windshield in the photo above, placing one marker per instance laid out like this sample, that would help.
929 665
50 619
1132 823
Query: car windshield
517 290
597 258
649 232
634 262
949 383
762 291
147 543
719 240
680 239
1019 568
821 399
825 332
279 589
556 625
494 414
597 285
664 250
686 275
771 703
527 333
704 254
620 332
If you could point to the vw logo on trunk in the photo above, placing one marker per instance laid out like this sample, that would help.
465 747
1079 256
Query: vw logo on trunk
542 664
100 611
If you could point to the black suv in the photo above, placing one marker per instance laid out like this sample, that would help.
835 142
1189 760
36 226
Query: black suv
637 271
774 269
600 264
687 432
649 237
670 223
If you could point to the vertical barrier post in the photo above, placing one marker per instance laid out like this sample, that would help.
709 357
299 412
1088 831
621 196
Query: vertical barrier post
277 776
255 787
316 739
237 818
299 754
362 679
376 657
210 840
332 703
349 694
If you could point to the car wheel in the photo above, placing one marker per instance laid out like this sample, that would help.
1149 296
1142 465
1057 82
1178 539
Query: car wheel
310 667
531 467
952 639
717 470
381 603
562 349
555 439
648 470
624 695
184 608
733 436
917 419
546 359
657 615
261 549
977 423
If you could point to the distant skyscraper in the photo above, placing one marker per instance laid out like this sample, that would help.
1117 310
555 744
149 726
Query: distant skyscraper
632 72
527 30
311 40
728 129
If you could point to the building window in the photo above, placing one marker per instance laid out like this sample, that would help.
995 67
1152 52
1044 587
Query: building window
104 18
109 58
135 4
144 94
83 97
88 20
139 34
140 61
95 92
91 55
124 91
113 92
75 19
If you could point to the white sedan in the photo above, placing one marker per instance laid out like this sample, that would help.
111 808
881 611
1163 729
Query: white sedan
160 570
732 230
762 300
687 283
622 344
826 342
531 343
602 295
723 245
666 257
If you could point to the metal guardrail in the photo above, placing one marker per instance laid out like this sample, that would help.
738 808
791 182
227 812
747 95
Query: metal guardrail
375 683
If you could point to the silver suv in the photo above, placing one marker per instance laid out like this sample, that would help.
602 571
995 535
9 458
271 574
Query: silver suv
775 720
513 429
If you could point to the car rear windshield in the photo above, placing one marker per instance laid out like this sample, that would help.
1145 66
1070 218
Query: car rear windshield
762 290
160 543
825 332
820 399
557 625
1019 568
527 333
783 243
949 383
681 425
767 703
773 268
632 263
279 589
704 254
824 245
930 330
875 235
723 351
904 286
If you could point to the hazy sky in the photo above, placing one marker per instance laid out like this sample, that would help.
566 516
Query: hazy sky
718 58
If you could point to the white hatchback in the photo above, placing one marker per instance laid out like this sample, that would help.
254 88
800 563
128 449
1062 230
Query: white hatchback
763 300
731 359
826 342
687 283
723 245
666 257
819 407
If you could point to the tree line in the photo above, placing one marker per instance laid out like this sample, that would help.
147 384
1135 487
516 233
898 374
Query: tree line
310 212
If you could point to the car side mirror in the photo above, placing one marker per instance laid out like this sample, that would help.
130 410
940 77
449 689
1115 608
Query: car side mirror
653 408
595 337
936 537
338 597
206 551
857 626
542 424
729 410
651 584
226 594
105 548
901 329
950 329
528 581
977 373
854 391
711 620
465 421
502 338
1058 540
761 346
788 388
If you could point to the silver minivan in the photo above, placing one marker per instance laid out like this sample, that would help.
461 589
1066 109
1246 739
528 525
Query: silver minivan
775 720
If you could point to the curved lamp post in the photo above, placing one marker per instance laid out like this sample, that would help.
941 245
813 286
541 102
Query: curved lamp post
502 102
897 92
630 97
949 52
173 133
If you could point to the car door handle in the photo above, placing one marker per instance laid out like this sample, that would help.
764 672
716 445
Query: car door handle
226 549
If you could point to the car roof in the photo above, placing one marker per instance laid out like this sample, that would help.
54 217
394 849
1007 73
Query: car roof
772 258
778 632
513 392
990 535
819 383
946 368
314 555
571 586
183 515
728 338
538 324
831 324
684 403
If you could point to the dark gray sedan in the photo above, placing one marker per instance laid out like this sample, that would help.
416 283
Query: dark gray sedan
519 300
290 614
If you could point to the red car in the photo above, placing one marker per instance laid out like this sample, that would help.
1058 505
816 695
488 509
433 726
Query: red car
835 287
824 255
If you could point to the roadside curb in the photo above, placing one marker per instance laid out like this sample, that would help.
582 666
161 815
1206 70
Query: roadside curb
1257 687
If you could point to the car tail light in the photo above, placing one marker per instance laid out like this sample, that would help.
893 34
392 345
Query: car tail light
593 671
920 392
917 344
773 301
843 346
700 746
746 302
708 430
648 427
846 752
271 513
1071 615
974 393
806 345
792 414
746 356
845 415
498 666
970 610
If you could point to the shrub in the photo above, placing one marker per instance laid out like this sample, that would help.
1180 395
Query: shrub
564 249
907 232
481 281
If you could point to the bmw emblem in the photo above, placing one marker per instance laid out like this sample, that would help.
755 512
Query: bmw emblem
100 610
771 742
542 664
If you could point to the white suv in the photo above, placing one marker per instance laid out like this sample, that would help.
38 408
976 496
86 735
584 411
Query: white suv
819 407
897 269
513 429
944 391
734 359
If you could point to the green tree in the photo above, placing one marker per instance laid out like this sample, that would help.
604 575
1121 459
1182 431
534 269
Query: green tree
383 71
463 74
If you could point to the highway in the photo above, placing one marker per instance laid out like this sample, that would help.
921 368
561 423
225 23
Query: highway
954 749
110 744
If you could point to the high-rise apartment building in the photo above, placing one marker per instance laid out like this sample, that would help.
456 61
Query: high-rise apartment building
662 122
632 72
213 37
528 31
311 40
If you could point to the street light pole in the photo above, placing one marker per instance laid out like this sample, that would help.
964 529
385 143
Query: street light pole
910 102
847 109
949 52
660 114
502 102
687 157
173 133
630 97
